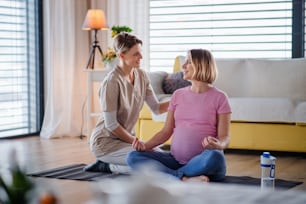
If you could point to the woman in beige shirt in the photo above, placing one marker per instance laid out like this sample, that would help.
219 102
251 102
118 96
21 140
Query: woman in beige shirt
122 95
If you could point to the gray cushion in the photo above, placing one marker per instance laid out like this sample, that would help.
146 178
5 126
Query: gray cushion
156 80
173 82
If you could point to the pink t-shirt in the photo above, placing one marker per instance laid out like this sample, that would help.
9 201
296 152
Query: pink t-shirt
195 117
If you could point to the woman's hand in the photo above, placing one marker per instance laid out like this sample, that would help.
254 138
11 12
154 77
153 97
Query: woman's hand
211 143
138 145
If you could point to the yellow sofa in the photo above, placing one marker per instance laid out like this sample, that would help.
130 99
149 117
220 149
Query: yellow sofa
268 101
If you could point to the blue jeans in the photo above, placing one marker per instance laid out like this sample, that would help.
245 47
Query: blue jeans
210 163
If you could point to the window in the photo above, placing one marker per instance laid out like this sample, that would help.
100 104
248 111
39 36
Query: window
229 28
20 72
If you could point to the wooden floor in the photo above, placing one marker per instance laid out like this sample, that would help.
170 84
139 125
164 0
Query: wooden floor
38 154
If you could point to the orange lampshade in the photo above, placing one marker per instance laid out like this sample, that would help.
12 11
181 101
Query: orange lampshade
95 20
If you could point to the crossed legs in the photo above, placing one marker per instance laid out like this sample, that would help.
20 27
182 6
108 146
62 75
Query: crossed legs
209 165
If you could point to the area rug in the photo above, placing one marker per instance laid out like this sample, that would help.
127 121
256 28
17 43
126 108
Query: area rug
75 172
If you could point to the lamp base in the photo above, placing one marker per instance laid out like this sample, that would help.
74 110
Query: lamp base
95 46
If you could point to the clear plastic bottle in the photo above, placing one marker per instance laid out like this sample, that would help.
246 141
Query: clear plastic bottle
267 163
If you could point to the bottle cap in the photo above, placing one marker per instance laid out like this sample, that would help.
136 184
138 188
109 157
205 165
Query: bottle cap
265 160
266 154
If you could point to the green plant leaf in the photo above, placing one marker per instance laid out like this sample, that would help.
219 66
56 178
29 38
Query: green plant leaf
118 29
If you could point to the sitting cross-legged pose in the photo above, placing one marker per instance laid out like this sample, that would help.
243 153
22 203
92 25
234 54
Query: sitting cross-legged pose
199 120
122 95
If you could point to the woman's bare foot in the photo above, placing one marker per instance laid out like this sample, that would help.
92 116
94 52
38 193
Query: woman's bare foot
201 178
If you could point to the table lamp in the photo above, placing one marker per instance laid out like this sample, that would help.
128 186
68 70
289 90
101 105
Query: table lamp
95 20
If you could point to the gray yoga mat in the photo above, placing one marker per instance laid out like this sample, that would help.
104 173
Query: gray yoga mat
75 172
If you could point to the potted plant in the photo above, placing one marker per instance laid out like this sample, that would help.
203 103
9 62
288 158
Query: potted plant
109 57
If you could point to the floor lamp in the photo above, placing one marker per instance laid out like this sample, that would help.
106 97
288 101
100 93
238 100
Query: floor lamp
95 20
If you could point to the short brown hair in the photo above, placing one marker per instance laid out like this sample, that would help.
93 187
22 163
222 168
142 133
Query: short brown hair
124 41
204 64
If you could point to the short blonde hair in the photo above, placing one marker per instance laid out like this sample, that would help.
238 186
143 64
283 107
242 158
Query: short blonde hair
124 41
204 65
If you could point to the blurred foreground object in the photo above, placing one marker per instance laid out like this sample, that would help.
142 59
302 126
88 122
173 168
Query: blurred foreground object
17 188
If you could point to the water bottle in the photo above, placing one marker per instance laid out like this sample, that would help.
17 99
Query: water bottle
267 163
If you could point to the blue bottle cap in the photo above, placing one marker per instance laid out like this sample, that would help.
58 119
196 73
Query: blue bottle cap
266 154
265 160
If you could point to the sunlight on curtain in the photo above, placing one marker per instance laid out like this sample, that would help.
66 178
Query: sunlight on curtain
135 14
66 51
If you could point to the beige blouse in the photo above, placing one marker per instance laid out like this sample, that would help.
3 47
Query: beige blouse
117 94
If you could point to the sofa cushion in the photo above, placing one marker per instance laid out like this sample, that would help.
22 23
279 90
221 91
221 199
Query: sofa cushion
156 79
262 109
173 82
276 78
300 112
232 77
164 97
232 73
161 117
278 110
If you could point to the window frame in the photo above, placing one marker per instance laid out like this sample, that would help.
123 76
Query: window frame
298 28
34 128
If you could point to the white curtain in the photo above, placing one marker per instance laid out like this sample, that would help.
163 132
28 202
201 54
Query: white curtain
66 51
135 14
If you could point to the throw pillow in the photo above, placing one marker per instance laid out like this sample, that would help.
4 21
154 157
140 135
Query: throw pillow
156 79
173 82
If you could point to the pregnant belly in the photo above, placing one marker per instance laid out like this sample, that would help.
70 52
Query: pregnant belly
186 143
